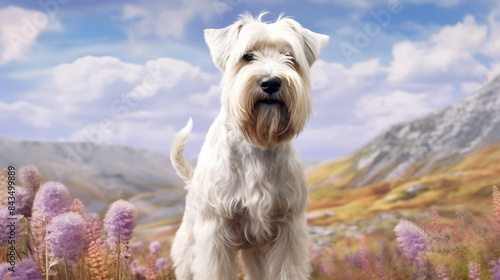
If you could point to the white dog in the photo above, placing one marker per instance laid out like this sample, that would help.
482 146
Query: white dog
248 192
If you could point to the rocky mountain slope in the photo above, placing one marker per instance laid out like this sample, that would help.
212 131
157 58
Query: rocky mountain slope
448 158
456 131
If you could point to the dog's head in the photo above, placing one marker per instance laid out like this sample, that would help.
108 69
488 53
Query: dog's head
266 88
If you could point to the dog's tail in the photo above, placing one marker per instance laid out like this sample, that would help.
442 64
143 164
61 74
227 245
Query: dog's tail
179 162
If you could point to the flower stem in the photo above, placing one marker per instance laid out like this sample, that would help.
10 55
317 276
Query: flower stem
118 261
46 263
66 269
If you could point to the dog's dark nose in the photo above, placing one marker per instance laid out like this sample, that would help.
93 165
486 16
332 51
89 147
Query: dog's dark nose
270 84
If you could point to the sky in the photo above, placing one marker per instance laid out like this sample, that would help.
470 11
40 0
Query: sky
70 70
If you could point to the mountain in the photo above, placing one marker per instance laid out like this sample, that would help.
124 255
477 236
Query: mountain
97 173
447 158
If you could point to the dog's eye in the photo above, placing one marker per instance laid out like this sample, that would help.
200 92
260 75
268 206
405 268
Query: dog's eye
248 57
290 57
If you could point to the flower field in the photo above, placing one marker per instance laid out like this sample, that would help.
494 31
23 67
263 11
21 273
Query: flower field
56 239
465 247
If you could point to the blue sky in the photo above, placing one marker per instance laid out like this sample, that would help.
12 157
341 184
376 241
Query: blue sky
69 69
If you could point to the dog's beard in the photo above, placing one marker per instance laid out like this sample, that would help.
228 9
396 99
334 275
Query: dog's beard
270 123
267 121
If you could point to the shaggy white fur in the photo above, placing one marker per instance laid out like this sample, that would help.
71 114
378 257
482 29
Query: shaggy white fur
248 192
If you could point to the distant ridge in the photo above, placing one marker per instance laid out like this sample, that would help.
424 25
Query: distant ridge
97 174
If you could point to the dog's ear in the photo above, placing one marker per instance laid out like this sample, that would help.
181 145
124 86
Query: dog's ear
313 44
221 42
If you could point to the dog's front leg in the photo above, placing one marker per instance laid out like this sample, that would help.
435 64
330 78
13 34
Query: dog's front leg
288 258
213 259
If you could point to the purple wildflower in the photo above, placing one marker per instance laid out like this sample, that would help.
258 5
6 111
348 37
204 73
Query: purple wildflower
24 201
162 263
27 269
495 269
137 271
441 272
66 236
155 248
52 199
379 269
30 177
412 239
365 264
314 252
4 270
5 230
354 259
326 268
474 271
119 222
135 247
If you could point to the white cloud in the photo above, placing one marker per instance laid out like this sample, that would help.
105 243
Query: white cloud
414 63
442 3
365 4
140 102
466 36
353 104
382 111
207 99
492 47
90 78
165 19
134 12
354 3
145 134
91 83
32 115
470 87
331 80
495 70
334 140
172 71
148 134
19 29
370 115
447 57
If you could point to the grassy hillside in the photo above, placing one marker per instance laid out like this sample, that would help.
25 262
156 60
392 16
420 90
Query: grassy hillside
466 181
